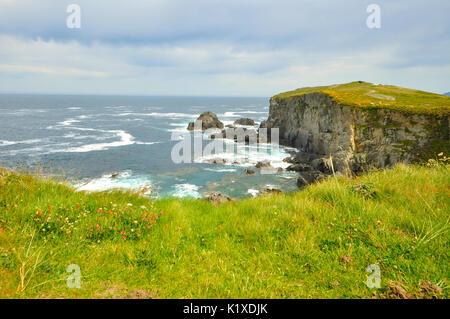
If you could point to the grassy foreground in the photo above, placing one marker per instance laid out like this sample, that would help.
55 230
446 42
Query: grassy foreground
315 243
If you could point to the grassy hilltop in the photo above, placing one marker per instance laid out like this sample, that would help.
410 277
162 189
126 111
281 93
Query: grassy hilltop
315 243
368 95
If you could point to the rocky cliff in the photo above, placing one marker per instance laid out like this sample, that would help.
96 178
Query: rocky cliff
360 125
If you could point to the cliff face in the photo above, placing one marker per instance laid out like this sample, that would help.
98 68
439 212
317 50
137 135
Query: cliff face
357 138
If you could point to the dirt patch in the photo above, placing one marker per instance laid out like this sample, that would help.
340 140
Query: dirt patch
347 259
121 292
429 290
396 291
141 294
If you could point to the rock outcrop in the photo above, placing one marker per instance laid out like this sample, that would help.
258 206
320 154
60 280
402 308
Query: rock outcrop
217 198
337 136
209 120
244 121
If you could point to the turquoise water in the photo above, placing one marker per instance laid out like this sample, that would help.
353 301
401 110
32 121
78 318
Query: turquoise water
89 138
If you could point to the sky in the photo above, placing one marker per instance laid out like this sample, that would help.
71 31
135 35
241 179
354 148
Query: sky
220 47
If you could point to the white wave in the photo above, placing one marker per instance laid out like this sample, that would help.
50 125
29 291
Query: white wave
229 114
125 139
31 141
178 127
74 108
186 190
248 155
68 122
220 170
251 112
147 143
125 180
6 143
253 192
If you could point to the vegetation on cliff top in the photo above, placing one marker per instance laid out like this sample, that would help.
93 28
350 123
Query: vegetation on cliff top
368 95
315 243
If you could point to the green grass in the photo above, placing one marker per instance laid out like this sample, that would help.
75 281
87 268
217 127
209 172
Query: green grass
278 246
368 95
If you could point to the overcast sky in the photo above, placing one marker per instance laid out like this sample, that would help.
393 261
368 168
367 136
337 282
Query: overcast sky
220 47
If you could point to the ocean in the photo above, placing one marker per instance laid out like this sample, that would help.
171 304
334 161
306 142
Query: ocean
87 139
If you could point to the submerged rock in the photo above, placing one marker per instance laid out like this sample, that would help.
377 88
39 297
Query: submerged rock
263 164
249 171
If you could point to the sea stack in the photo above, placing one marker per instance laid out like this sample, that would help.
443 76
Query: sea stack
209 120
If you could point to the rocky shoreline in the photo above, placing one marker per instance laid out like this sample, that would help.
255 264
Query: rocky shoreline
338 136
310 168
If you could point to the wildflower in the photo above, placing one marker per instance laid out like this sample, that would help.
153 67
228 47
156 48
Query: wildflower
129 205
378 222
143 207
2 230
163 212
49 209
78 206
124 237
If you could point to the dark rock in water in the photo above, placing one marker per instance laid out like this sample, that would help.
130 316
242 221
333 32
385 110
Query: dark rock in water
270 191
306 178
209 120
249 171
229 126
217 161
262 164
244 121
300 167
115 175
217 198
241 134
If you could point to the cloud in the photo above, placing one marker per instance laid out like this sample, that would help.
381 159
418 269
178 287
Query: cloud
217 47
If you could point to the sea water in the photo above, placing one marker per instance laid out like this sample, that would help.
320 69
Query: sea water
89 138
